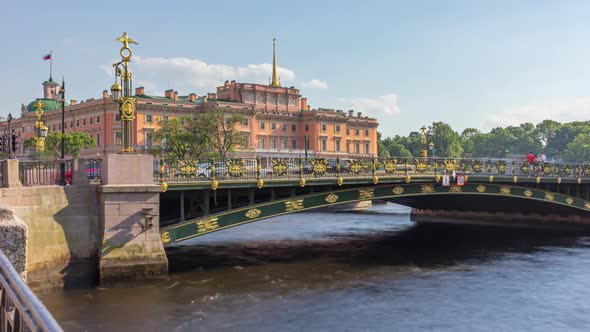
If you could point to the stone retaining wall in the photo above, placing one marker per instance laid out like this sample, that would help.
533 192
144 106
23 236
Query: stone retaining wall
64 232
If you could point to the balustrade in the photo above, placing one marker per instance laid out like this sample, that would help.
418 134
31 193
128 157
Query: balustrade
235 169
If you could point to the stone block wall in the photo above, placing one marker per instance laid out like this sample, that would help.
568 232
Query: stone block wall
63 232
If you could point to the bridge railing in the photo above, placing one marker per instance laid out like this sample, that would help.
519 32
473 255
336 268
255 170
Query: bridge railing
39 173
233 169
20 310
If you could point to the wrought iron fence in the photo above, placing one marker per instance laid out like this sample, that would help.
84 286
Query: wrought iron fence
301 168
36 173
20 310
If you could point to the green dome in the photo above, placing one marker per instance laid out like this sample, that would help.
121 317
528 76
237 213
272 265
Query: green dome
50 105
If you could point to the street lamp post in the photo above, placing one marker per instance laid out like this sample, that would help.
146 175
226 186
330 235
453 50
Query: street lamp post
40 128
122 93
62 166
9 136
423 151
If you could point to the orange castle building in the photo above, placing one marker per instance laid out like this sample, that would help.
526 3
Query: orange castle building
279 122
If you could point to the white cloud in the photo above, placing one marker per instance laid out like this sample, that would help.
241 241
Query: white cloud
386 104
564 111
186 74
315 84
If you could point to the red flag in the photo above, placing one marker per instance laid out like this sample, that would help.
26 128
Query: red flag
47 57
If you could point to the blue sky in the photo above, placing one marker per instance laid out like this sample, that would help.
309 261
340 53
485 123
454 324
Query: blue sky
407 63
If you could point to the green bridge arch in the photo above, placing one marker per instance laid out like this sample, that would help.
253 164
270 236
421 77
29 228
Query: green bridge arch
216 222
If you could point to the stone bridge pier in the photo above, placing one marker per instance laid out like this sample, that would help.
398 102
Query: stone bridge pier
129 220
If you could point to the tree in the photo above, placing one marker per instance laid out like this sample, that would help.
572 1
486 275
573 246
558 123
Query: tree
578 150
398 150
74 144
546 130
181 138
219 128
381 147
446 141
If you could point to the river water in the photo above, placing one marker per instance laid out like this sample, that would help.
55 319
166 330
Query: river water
374 271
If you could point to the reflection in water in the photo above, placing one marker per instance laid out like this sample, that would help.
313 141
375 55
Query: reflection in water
342 271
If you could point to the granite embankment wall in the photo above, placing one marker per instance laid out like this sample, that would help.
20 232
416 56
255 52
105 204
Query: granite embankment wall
63 232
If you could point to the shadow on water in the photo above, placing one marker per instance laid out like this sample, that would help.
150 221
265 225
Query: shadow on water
422 245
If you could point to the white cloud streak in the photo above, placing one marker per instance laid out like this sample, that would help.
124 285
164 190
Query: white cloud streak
565 111
315 84
386 104
186 74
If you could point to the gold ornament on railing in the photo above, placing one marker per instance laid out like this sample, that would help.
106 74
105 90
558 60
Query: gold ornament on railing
356 166
235 167
279 167
476 166
389 165
501 166
421 165
450 165
319 167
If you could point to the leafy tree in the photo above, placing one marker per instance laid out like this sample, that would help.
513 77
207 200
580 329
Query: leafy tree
546 130
74 144
578 150
398 150
181 138
219 128
382 151
446 141
557 144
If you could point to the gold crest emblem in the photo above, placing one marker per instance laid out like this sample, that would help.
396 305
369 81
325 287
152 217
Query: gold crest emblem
207 225
293 205
398 190
331 198
366 193
253 213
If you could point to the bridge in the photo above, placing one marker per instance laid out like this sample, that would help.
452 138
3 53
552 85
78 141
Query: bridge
204 197
117 215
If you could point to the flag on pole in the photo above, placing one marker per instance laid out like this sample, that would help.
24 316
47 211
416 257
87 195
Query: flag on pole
47 57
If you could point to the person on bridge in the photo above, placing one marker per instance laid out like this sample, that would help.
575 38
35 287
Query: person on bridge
531 160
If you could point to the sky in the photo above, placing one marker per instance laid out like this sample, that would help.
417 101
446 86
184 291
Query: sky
471 64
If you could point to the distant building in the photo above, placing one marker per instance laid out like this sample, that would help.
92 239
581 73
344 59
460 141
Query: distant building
279 122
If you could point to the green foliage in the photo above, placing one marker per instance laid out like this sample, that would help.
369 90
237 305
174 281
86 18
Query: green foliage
74 144
569 141
578 150
212 134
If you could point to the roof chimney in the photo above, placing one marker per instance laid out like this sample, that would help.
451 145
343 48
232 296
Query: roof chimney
204 99
303 103
139 91
105 94
169 94
175 95
192 97
73 102
309 107
211 96
350 112
359 114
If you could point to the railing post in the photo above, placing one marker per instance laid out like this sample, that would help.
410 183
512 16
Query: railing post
10 173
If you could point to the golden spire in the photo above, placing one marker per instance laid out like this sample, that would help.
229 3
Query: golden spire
275 80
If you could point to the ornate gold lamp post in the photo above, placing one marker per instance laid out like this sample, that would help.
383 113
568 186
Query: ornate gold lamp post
40 128
126 102
423 151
